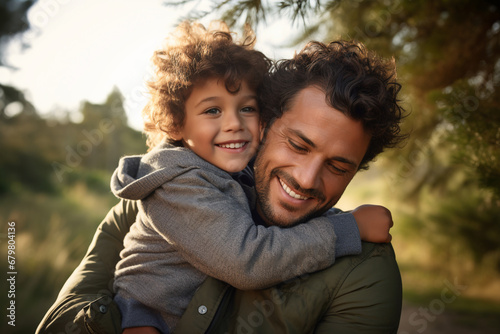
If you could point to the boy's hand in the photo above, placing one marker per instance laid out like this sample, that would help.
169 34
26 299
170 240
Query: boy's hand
374 223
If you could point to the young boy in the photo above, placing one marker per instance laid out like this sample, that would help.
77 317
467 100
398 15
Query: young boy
194 218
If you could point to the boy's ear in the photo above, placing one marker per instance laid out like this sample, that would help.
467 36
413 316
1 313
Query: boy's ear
175 135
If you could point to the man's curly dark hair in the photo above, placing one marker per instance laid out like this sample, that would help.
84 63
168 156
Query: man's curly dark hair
356 82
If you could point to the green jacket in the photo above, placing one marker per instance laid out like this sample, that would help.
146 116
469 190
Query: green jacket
359 294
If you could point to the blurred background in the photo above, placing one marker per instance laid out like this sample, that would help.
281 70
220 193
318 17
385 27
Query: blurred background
72 88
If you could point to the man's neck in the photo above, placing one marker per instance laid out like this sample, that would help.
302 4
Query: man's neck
246 180
258 220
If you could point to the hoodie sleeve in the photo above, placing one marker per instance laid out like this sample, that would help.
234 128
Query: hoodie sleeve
206 217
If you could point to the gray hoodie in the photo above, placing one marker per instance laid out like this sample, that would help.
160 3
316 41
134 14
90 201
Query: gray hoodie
194 220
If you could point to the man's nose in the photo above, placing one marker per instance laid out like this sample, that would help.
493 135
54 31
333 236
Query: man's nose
232 121
308 172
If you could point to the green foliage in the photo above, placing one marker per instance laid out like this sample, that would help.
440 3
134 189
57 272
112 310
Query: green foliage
472 220
249 12
42 155
23 164
13 20
471 113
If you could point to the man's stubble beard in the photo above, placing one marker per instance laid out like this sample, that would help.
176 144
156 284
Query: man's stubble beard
265 209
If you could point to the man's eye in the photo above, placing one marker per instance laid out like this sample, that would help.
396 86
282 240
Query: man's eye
212 111
297 147
337 170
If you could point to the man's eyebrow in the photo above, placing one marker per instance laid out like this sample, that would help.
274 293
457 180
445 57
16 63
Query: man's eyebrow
309 142
345 160
302 136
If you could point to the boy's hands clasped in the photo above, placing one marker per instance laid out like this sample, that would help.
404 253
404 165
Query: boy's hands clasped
374 223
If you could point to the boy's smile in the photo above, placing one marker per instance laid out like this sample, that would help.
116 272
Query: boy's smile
221 127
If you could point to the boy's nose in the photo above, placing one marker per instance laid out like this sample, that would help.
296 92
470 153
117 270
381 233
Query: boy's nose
232 122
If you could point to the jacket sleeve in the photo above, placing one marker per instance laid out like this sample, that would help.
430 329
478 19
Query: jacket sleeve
210 223
369 299
87 293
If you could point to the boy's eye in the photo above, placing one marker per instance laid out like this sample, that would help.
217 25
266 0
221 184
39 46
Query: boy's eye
212 111
248 109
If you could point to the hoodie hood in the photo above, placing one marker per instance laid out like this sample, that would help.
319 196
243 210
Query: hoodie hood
138 176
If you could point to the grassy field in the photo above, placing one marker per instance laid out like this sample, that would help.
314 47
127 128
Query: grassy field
52 233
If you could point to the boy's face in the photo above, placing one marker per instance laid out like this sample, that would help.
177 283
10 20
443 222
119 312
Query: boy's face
221 127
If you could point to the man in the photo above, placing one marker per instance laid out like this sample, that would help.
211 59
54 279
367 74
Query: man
331 110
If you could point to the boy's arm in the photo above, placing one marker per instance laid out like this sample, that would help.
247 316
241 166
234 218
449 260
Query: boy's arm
212 227
374 223
348 241
367 222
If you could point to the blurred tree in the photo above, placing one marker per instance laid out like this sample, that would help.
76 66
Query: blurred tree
22 161
38 153
42 154
13 21
448 57
104 135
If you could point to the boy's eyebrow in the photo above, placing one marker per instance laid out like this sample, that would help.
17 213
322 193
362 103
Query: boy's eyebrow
309 142
207 99
214 98
249 97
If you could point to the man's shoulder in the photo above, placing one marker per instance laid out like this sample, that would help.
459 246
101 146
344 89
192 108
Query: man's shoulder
371 254
376 261
376 265
374 258
370 249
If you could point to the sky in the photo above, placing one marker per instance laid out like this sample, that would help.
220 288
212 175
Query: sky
80 49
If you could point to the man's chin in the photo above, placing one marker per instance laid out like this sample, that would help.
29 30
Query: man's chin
287 219
281 214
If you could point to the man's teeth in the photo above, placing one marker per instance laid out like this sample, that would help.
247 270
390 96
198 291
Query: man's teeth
291 192
232 145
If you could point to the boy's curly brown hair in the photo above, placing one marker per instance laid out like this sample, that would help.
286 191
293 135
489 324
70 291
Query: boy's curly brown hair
191 55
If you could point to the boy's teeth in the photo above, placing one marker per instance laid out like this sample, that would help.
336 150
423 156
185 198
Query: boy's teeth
291 192
233 145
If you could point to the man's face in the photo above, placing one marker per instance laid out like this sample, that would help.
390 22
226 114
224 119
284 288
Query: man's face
308 158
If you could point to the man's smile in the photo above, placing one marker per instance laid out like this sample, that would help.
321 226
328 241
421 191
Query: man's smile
290 192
